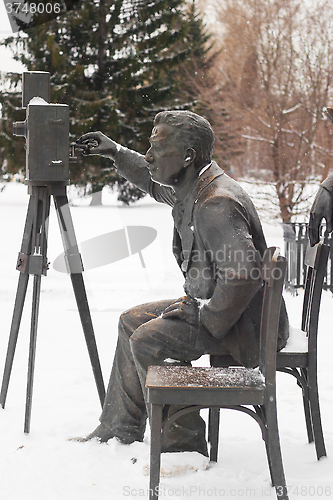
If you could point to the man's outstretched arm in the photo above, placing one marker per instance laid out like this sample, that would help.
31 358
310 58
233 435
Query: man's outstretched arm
129 164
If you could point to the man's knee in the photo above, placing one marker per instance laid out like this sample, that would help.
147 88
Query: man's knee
139 336
137 316
130 320
142 342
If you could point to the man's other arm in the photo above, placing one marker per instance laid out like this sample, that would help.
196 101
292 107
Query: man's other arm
322 208
223 227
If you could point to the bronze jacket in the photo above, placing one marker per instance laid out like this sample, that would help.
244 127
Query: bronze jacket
328 183
218 243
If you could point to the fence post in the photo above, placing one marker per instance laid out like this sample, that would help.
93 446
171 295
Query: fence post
295 235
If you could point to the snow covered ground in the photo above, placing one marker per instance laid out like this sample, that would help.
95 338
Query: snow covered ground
44 465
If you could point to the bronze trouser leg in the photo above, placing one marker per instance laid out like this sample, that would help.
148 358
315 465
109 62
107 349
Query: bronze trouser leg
124 410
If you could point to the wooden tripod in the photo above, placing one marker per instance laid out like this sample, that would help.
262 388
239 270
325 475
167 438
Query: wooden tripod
32 260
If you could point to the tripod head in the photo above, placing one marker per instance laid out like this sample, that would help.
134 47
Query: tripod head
46 129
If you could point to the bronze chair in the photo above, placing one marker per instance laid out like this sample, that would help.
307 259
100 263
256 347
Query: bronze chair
301 364
235 388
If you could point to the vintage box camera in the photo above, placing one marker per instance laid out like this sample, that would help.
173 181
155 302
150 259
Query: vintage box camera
46 130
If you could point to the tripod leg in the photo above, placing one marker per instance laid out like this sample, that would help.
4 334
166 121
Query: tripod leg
19 300
37 267
15 326
75 269
32 350
83 307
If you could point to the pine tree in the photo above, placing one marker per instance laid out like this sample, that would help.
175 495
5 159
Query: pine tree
198 38
116 63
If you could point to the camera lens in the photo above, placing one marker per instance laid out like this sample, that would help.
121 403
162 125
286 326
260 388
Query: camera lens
20 129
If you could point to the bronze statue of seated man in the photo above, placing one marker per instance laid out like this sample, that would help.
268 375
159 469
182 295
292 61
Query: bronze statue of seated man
218 243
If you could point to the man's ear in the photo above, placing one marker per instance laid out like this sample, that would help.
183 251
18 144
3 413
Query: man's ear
190 156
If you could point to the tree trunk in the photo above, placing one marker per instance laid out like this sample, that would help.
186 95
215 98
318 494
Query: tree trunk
285 195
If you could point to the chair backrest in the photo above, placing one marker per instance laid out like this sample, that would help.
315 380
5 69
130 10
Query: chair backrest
316 259
273 272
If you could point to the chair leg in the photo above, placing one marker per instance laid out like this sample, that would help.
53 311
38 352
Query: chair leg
213 432
308 420
274 455
155 450
306 404
315 414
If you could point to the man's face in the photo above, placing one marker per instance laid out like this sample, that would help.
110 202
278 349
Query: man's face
166 156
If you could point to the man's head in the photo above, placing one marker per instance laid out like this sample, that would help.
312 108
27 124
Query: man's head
181 141
191 130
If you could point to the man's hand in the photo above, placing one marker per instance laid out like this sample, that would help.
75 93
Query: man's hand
186 309
96 143
322 208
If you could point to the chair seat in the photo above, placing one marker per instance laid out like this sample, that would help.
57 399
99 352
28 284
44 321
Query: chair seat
297 341
180 385
293 355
